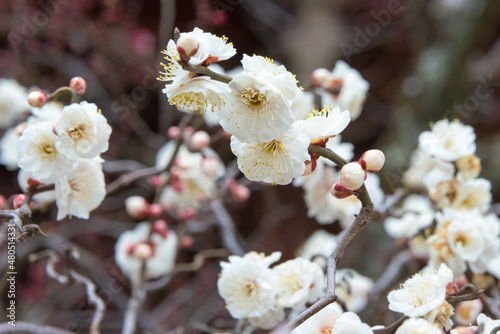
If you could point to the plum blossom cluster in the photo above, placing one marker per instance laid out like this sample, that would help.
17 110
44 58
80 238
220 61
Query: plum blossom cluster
60 145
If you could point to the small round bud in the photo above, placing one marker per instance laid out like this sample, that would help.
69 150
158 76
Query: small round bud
157 180
339 191
320 77
37 99
3 202
137 207
199 140
173 132
352 176
18 200
469 166
188 131
467 311
187 45
160 226
155 210
239 193
143 251
79 85
187 242
372 160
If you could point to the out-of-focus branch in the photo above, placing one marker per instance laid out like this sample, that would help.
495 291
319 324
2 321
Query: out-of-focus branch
228 230
391 271
28 328
71 275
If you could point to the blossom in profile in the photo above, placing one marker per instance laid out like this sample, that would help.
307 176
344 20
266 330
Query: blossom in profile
415 214
321 322
448 141
249 288
318 247
277 161
80 191
83 131
426 172
325 123
156 250
487 323
210 48
38 154
353 288
13 102
345 88
421 293
301 281
258 109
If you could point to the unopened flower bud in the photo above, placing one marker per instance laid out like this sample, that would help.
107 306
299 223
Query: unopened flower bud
320 77
137 207
37 99
469 166
199 140
157 180
3 202
188 131
160 226
187 242
143 251
187 46
173 132
372 160
467 311
33 184
352 176
155 210
339 191
18 200
79 85
239 193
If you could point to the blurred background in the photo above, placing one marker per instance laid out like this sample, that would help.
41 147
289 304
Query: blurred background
425 60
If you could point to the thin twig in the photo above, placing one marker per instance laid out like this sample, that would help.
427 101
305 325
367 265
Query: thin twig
228 230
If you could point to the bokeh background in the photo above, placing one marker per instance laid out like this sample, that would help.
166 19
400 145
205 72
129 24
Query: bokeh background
424 60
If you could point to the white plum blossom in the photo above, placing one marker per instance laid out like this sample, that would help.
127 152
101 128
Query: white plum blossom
137 246
416 214
269 320
421 293
8 147
50 112
43 197
448 141
38 154
353 288
321 322
277 161
325 123
426 172
350 322
303 105
258 109
418 326
301 281
494 266
249 288
13 102
210 47
345 88
487 323
83 131
261 258
80 191
320 243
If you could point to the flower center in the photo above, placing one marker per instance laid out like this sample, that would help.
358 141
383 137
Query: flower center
272 146
77 132
47 148
250 288
253 99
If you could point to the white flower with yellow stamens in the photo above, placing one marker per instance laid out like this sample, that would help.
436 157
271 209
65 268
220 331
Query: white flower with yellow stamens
258 109
325 123
83 131
210 47
277 161
38 154
13 102
249 288
80 191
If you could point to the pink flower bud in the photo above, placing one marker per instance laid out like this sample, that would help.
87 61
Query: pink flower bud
173 132
239 193
3 202
143 251
188 131
33 184
137 207
320 77
157 180
372 160
187 242
79 85
187 46
18 200
352 176
339 191
37 99
199 140
160 226
155 210
226 134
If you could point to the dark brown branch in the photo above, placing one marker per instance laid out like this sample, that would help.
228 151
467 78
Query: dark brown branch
392 327
205 71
